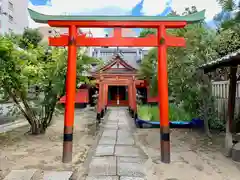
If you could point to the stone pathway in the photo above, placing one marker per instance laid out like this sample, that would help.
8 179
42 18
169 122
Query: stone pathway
29 173
117 157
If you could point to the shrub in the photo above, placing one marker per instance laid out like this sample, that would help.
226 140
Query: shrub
176 113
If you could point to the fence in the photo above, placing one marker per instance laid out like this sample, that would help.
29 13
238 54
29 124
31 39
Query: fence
220 92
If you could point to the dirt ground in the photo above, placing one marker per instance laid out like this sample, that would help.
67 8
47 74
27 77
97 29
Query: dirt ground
44 152
193 156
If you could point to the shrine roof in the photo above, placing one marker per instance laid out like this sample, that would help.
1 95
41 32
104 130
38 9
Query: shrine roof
129 67
42 18
225 61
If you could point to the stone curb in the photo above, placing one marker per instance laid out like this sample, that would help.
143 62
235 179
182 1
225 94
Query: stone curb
13 125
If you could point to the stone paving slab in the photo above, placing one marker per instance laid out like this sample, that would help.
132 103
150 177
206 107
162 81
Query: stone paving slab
107 140
57 175
125 141
113 118
110 133
20 174
102 178
132 178
122 132
110 126
123 127
128 151
103 166
125 136
130 169
117 157
112 123
131 160
105 150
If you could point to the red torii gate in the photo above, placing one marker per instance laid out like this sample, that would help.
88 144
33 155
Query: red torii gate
161 40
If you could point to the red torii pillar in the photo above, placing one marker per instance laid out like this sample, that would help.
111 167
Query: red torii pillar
70 95
134 97
106 96
163 94
130 95
100 100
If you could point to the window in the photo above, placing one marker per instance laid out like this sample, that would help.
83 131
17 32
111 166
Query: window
10 18
10 30
10 5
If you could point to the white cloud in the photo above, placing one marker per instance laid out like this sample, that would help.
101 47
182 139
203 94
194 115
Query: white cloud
211 6
119 7
153 7
84 7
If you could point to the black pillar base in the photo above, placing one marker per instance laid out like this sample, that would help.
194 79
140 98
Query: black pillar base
135 116
102 113
131 112
98 117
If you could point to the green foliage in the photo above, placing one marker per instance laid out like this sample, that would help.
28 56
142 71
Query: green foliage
144 112
151 113
227 41
30 37
41 67
146 32
182 65
230 15
184 83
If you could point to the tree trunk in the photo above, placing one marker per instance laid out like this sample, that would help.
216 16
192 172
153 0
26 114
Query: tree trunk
206 121
37 128
228 141
206 95
231 106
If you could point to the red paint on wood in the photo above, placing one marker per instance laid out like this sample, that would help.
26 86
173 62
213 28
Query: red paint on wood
82 96
162 79
149 41
134 96
152 99
71 80
122 24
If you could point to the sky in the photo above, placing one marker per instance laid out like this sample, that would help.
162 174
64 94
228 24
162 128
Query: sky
119 7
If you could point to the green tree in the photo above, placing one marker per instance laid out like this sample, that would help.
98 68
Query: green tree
230 15
146 32
42 67
227 41
184 81
30 37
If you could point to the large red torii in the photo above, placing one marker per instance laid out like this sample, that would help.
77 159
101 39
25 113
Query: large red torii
73 39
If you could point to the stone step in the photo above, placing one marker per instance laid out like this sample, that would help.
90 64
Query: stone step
57 175
20 174
27 174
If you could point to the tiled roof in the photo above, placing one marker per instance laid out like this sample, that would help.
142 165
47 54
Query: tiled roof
42 18
112 50
225 60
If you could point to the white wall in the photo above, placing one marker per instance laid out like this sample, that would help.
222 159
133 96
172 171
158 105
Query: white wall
19 14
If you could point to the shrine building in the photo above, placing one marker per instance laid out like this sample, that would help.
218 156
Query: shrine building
120 64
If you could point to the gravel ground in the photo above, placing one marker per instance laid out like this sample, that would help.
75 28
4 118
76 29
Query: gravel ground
44 152
193 156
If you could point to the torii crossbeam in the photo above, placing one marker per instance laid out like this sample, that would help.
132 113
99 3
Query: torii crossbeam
161 41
